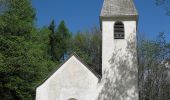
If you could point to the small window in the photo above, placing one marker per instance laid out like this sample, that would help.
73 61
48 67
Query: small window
119 30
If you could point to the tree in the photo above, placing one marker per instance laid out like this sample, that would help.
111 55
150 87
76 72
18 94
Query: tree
16 23
52 43
88 46
63 37
153 79
18 19
23 52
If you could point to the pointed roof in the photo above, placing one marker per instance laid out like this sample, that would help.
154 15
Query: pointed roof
117 8
79 59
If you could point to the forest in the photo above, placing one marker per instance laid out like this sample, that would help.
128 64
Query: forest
28 54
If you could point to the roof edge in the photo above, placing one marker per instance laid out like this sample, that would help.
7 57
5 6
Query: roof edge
60 65
120 16
87 66
109 5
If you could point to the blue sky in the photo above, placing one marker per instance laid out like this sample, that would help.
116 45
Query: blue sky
84 14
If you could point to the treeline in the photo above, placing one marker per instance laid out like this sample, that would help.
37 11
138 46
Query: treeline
24 61
86 44
28 54
154 68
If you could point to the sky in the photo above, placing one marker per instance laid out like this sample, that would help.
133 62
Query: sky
82 15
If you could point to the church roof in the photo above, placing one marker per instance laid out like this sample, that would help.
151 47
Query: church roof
116 8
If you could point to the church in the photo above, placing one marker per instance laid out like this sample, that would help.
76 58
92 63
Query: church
75 80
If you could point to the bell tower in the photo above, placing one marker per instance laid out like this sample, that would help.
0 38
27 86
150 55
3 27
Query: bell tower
118 20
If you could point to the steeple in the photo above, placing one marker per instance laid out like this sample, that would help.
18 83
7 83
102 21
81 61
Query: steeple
117 8
118 20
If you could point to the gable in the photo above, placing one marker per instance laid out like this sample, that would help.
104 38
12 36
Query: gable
72 80
77 63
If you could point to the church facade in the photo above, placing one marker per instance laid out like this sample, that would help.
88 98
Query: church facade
74 80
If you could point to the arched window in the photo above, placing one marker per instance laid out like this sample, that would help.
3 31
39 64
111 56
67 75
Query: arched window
72 99
119 30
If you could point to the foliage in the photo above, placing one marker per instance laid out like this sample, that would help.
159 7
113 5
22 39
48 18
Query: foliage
18 19
154 82
59 41
23 58
63 37
88 46
52 43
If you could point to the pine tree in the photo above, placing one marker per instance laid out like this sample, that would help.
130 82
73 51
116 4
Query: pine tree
63 37
52 38
23 59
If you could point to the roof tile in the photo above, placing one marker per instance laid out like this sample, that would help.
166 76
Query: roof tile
116 8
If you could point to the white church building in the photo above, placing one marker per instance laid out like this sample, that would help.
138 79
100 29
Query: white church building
74 80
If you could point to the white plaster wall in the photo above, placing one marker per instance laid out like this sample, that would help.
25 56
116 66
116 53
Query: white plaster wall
114 53
110 45
42 92
72 80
